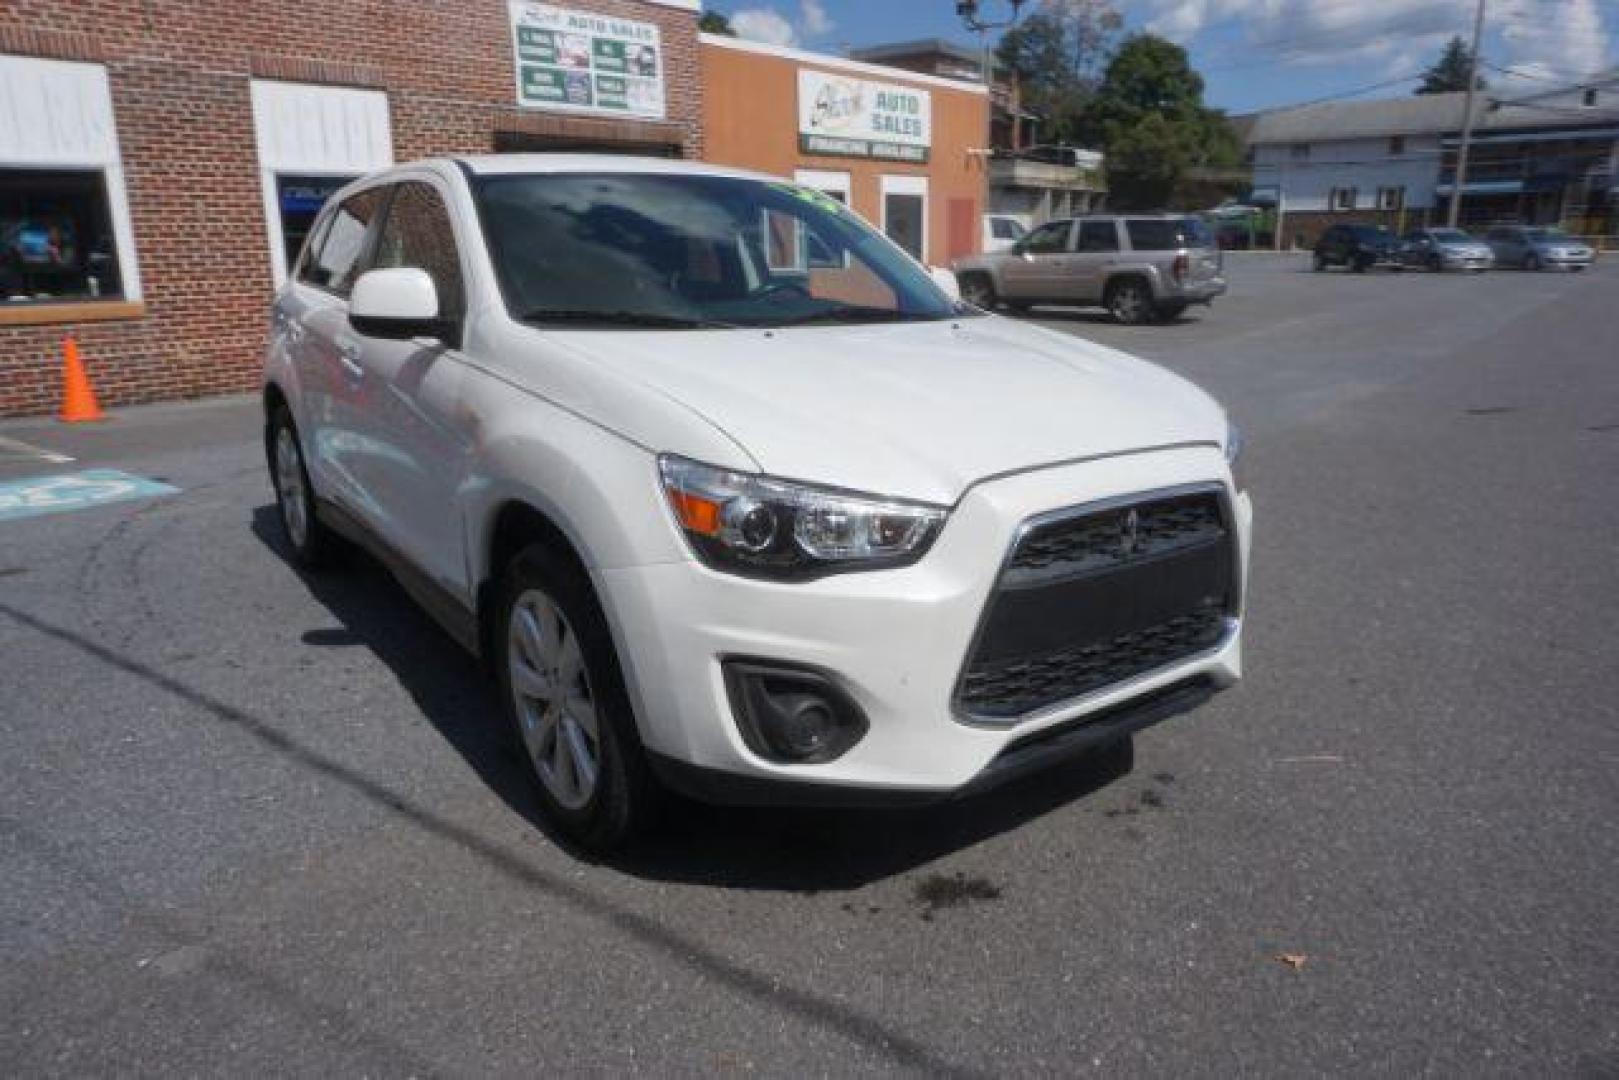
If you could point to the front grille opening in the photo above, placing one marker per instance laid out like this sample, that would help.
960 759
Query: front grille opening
1093 599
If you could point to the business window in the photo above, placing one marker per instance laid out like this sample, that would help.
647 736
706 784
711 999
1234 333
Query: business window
65 235
1343 198
56 237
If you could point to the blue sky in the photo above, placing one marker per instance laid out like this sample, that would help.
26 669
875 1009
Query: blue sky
1260 53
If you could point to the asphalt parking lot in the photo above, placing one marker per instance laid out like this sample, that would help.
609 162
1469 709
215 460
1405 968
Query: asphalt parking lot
257 823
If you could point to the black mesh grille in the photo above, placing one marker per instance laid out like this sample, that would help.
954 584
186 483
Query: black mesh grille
1089 601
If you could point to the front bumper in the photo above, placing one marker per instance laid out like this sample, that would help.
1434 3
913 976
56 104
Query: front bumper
896 641
1468 261
1198 292
1562 261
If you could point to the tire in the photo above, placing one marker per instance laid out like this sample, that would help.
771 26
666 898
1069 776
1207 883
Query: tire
1361 264
1168 313
1320 264
563 694
1436 263
979 291
1129 301
1531 262
312 544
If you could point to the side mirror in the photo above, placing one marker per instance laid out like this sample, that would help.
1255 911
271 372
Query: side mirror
399 304
946 281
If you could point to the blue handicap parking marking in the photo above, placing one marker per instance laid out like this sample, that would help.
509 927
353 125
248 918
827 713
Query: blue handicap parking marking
74 491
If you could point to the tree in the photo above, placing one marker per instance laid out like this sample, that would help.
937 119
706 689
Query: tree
716 22
1449 72
1149 117
1055 54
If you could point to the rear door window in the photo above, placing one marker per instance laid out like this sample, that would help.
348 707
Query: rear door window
342 243
1098 236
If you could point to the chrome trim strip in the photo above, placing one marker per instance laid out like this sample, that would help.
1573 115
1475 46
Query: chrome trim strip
1233 621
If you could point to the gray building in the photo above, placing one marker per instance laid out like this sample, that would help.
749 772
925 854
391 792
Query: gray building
1541 158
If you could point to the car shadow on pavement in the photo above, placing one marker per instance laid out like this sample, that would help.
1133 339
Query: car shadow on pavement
786 849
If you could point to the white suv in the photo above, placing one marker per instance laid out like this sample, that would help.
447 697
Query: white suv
733 497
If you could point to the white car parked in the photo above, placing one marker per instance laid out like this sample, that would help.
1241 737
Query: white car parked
733 498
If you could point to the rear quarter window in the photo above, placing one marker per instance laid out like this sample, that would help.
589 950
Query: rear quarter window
1167 234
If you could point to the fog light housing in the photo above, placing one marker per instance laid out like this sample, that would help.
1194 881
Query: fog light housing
790 714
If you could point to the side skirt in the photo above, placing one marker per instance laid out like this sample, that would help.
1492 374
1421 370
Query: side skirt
459 621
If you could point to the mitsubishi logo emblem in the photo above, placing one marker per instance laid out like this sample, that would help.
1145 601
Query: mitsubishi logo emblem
1129 533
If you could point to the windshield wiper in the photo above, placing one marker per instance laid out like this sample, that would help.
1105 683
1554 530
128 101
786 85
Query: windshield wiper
850 313
650 319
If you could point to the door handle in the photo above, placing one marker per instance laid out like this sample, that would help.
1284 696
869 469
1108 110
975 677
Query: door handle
348 354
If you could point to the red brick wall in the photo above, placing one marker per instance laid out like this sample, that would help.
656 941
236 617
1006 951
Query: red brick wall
180 74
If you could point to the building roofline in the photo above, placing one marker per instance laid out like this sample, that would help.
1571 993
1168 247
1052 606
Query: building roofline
839 63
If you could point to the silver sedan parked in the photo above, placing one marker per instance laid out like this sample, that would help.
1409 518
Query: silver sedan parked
1538 248
1444 249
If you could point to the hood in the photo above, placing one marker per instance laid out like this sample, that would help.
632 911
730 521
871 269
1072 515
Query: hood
912 410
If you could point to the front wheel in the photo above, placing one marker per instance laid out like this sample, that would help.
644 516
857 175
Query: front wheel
1129 301
1531 261
1320 264
563 694
979 291
312 544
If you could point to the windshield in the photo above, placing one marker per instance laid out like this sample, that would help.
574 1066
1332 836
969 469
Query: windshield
668 251
1451 236
1539 235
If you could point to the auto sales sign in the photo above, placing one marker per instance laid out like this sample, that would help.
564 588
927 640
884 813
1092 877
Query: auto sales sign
844 117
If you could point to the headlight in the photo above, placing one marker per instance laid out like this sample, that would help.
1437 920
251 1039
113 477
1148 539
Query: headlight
1233 455
751 524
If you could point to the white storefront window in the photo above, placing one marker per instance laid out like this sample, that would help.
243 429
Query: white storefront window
65 232
311 141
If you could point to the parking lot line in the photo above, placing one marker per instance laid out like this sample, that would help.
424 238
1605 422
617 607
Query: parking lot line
16 448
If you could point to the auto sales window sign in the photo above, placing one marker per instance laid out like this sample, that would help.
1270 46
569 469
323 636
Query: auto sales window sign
584 62
844 117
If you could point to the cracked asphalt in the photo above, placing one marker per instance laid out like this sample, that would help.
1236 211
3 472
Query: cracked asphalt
256 823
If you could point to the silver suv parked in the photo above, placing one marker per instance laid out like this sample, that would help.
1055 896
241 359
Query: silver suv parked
1139 267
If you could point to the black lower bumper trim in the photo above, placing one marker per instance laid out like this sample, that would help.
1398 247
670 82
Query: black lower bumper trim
1038 751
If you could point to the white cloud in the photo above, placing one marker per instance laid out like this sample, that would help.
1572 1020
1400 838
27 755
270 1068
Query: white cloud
763 24
814 19
772 27
1568 38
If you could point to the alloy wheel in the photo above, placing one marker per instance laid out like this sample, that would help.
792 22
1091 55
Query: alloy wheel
556 709
289 484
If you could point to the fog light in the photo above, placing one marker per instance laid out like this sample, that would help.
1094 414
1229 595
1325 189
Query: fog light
792 714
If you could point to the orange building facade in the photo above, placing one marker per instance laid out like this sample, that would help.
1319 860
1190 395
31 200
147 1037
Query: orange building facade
903 150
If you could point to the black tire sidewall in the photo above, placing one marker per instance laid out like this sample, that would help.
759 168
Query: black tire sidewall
625 788
1145 308
984 283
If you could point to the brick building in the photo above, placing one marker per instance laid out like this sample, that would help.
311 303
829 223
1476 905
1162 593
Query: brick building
158 161
906 151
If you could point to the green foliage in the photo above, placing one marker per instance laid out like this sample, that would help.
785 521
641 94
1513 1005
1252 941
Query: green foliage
1149 117
1056 53
715 22
1449 72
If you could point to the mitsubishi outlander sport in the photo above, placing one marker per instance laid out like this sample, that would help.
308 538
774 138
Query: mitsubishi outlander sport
733 498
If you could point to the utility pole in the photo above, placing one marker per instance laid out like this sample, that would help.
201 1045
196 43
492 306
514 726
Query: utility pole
1460 179
967 11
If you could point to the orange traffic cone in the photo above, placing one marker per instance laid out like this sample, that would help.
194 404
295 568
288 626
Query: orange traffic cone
78 396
